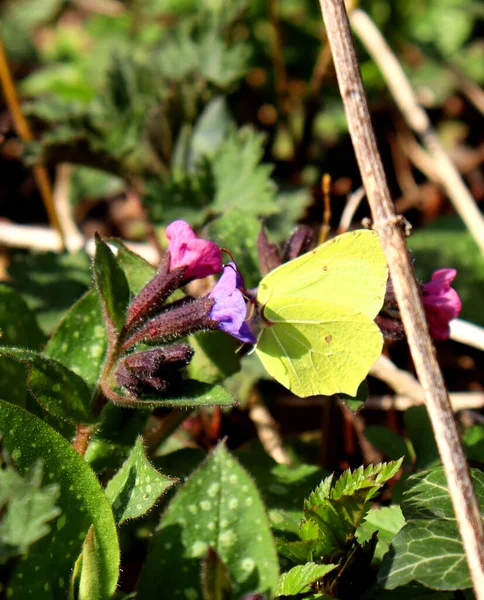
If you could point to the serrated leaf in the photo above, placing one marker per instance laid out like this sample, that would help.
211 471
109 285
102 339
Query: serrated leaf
388 521
300 579
45 572
238 231
50 283
239 178
356 403
136 487
58 389
429 549
218 507
19 497
208 133
80 341
111 284
18 327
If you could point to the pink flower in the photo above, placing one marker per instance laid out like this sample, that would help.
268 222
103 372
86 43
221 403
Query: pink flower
200 257
441 303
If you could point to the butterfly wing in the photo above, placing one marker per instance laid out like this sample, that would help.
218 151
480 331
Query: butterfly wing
349 270
316 347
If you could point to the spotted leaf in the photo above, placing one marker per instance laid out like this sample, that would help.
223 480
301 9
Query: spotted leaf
45 572
136 486
219 507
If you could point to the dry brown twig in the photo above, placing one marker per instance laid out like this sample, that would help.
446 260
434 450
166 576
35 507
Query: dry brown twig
267 429
419 121
387 225
23 130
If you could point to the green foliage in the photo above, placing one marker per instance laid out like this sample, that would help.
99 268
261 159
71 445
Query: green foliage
387 521
332 514
45 571
111 285
428 548
18 327
136 486
301 579
50 283
21 496
58 389
219 508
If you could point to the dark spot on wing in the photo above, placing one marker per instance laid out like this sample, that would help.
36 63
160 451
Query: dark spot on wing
328 338
325 268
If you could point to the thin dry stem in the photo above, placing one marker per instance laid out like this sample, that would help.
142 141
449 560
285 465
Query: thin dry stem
267 429
467 333
419 121
352 203
459 400
45 239
40 172
74 240
387 225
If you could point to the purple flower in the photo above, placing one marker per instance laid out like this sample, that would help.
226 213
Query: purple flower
441 303
200 257
230 308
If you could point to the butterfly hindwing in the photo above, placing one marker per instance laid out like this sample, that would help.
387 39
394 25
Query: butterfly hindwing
315 347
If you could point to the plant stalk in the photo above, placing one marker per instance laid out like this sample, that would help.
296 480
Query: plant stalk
388 226
22 128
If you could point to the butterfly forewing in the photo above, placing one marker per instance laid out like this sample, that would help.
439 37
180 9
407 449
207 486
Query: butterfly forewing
349 270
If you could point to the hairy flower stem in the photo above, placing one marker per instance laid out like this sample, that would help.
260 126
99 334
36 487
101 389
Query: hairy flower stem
387 225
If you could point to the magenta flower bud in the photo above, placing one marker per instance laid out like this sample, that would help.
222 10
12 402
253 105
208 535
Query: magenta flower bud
229 308
179 319
152 296
441 303
200 257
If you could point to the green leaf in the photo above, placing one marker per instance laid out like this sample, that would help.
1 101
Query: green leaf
58 389
429 549
299 579
291 207
237 231
21 496
80 340
282 487
420 432
356 403
191 394
45 572
90 585
447 243
115 435
136 487
215 357
218 507
137 270
473 439
388 521
50 283
111 284
240 181
208 133
18 327
388 442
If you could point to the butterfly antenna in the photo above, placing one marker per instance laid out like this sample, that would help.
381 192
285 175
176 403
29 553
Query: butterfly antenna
326 190
229 253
